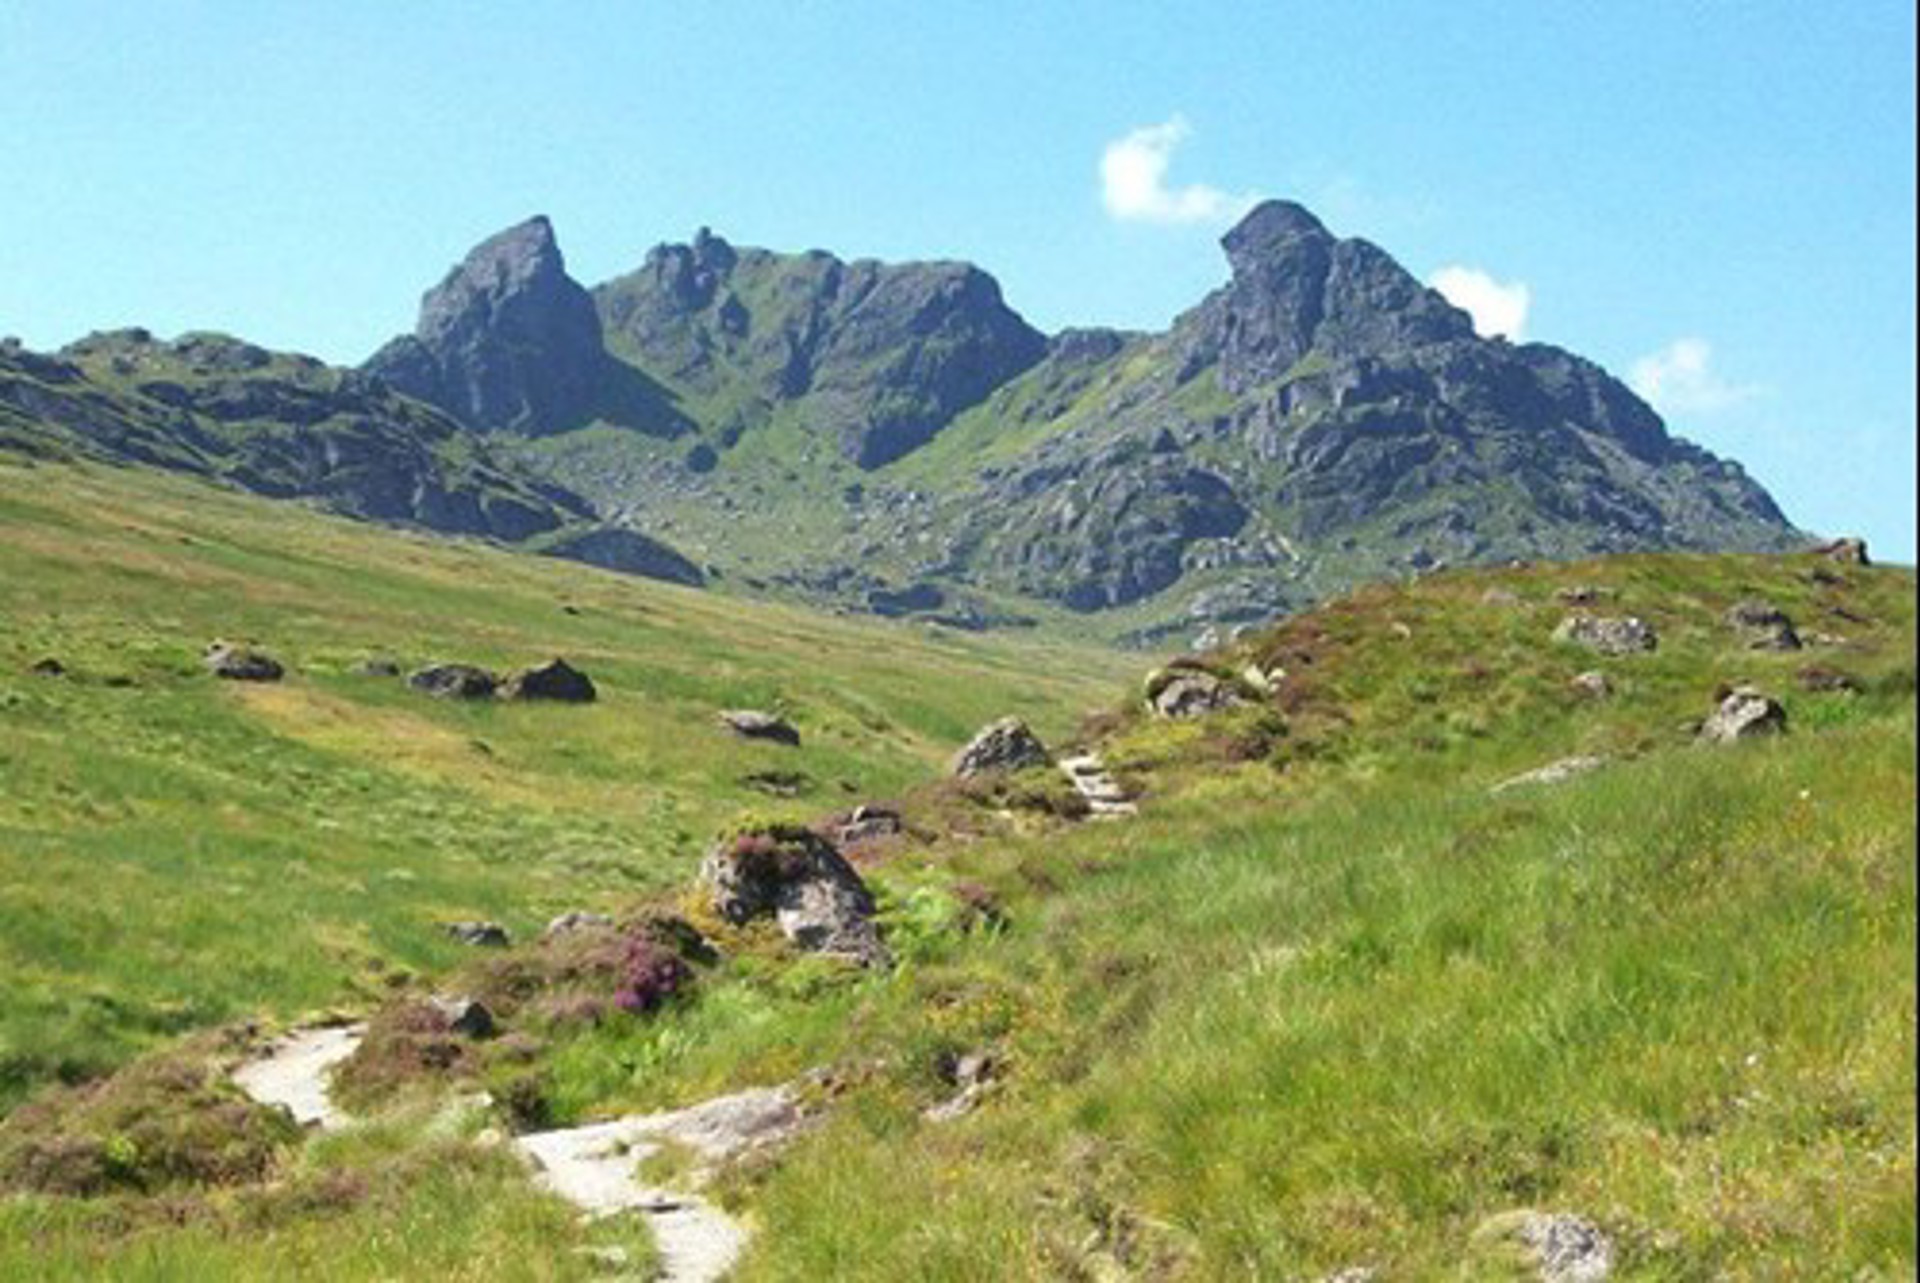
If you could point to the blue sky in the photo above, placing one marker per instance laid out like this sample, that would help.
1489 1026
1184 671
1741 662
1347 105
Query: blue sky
1714 200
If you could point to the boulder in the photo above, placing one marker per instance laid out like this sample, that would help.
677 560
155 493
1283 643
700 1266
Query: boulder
1763 626
454 681
1552 773
1848 549
1821 679
1189 692
752 724
1556 1247
866 823
1007 745
239 664
799 879
48 667
574 921
1608 635
485 935
1583 594
377 666
558 681
1593 684
463 1015
1744 713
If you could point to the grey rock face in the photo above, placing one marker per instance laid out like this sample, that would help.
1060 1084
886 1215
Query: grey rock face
506 341
630 552
797 877
556 680
1608 635
1763 626
240 664
1745 713
752 724
454 681
1006 745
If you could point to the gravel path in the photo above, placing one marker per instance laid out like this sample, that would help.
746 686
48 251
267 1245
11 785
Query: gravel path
293 1071
595 1168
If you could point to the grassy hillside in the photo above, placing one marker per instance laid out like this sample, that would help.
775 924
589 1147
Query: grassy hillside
177 851
1330 1001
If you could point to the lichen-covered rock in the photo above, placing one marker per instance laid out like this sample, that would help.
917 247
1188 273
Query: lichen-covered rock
1006 745
1556 1247
1592 684
1552 773
1824 680
749 723
484 935
557 680
1189 692
1744 713
240 664
1763 626
454 681
799 879
1608 635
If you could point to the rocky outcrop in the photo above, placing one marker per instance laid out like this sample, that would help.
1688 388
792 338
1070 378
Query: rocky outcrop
752 724
242 664
1608 635
556 681
1745 712
873 358
454 681
1555 1247
507 341
629 552
1006 745
1763 626
799 879
483 935
1552 773
1180 692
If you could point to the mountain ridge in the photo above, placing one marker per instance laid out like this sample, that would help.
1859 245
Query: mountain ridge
849 432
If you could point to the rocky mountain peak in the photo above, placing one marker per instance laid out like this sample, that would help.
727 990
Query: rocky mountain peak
507 340
1273 230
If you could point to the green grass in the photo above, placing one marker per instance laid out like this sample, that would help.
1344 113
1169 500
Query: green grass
176 852
1327 1002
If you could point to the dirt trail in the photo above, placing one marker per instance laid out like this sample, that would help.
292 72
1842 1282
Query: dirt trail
1103 793
594 1167
293 1071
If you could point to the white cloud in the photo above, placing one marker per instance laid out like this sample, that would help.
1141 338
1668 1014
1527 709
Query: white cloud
1133 181
1497 307
1680 379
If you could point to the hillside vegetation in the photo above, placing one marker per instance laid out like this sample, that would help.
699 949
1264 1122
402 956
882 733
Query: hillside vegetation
1332 1001
177 851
